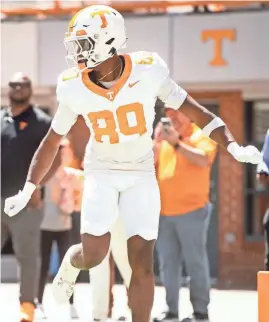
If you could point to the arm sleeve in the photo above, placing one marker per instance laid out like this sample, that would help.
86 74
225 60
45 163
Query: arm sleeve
171 94
63 120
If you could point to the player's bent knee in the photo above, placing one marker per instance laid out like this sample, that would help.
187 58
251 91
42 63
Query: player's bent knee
95 249
142 265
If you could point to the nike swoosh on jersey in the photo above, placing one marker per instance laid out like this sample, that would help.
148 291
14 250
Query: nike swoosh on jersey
133 84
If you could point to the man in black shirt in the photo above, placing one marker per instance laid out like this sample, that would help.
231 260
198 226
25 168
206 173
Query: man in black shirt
23 126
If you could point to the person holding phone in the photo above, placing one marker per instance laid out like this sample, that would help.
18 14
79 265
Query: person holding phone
183 157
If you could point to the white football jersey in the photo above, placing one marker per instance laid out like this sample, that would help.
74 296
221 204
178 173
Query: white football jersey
120 118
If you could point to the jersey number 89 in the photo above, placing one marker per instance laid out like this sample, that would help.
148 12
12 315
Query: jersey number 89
111 127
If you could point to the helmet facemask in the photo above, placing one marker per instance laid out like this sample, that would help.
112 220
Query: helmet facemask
81 50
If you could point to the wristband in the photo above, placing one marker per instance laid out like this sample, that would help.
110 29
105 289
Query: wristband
29 188
211 126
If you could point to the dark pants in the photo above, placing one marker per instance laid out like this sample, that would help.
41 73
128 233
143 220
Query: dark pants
24 230
63 240
266 233
183 238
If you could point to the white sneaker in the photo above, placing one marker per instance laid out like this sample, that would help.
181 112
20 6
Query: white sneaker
64 282
73 312
39 312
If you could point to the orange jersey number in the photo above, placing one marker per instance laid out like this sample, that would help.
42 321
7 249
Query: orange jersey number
122 118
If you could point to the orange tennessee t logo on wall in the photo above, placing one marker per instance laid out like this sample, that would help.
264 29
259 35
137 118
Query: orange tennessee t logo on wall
102 13
218 36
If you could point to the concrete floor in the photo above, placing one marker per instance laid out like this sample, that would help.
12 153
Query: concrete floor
226 306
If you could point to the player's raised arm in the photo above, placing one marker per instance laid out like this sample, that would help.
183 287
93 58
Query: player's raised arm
175 97
212 125
42 159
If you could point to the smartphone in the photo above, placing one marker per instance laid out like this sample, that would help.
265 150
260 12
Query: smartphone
166 123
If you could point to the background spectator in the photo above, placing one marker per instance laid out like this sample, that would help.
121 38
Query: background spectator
183 160
23 126
61 196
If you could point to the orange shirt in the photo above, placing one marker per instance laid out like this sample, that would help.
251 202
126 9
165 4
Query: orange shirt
184 186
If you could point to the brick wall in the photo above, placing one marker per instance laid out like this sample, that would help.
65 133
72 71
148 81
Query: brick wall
238 266
239 260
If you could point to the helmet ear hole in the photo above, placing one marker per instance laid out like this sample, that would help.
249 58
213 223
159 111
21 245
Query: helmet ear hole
110 41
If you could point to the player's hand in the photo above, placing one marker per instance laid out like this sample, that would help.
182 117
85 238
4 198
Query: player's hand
15 204
248 154
252 155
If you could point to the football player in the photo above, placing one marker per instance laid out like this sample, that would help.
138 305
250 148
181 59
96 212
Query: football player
116 95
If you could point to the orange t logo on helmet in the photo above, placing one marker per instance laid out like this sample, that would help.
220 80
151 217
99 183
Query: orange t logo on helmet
73 20
101 13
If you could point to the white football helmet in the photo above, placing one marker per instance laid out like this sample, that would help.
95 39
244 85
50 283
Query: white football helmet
94 34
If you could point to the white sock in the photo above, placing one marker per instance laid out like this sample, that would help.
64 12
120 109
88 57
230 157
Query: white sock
67 258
